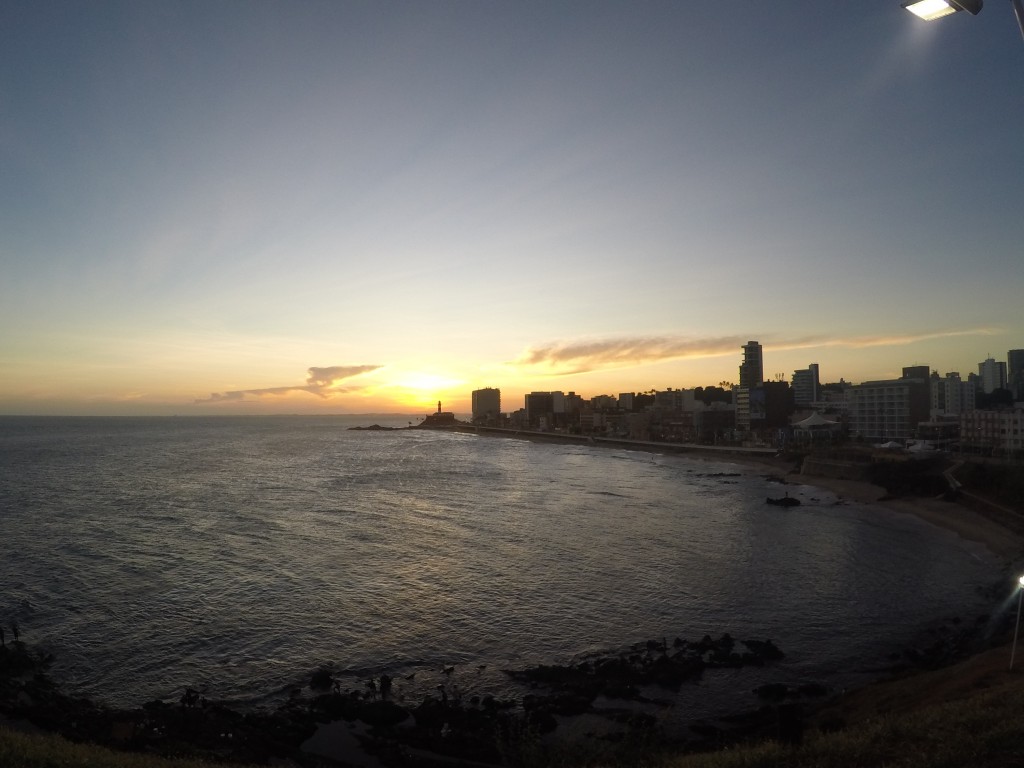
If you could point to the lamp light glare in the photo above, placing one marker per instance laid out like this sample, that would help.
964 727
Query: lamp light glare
1021 581
930 9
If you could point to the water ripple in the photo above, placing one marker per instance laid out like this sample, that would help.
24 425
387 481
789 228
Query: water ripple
237 555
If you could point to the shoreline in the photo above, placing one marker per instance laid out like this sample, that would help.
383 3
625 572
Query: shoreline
302 713
968 523
1006 544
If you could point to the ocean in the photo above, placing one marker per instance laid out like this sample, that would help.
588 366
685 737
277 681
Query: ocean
237 555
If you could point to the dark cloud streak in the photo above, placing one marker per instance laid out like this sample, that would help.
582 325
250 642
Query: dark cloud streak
322 382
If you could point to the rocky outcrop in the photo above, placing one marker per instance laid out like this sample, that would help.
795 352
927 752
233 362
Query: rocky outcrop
476 729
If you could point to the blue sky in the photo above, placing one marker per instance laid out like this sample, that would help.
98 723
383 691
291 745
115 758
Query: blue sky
200 202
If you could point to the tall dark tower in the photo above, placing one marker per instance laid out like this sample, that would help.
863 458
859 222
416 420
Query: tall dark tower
438 406
1015 373
752 368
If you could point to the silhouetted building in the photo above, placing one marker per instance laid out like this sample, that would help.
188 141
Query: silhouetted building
805 386
1015 373
715 422
778 404
752 368
669 400
916 372
486 406
438 419
540 409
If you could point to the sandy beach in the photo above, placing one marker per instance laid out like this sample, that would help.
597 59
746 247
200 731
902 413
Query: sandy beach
959 518
953 516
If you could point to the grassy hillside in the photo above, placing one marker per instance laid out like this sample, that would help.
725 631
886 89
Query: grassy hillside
1002 483
984 730
25 750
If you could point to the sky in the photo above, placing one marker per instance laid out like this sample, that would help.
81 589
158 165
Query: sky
353 207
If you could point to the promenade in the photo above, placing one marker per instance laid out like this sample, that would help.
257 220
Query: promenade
614 442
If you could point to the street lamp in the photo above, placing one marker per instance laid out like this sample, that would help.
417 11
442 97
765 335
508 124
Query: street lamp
1016 629
936 9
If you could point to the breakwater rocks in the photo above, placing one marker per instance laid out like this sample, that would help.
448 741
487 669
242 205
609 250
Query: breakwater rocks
451 724
624 675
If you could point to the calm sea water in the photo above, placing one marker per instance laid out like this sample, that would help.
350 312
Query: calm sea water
237 555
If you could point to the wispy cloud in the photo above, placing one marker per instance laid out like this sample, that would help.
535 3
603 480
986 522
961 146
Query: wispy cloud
573 357
583 356
322 382
896 340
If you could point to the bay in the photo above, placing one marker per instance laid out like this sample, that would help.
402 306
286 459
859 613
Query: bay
237 555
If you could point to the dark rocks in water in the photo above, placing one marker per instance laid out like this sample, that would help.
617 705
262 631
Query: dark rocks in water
783 501
765 649
622 676
322 680
444 726
373 428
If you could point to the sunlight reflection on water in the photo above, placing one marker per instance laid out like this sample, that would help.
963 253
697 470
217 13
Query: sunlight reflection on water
238 555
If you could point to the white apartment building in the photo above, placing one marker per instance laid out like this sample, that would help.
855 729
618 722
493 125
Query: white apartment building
1001 431
888 410
993 375
950 395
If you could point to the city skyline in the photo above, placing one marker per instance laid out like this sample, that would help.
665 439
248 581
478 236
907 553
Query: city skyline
352 208
800 379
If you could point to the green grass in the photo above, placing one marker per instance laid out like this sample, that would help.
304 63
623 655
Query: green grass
986 730
24 750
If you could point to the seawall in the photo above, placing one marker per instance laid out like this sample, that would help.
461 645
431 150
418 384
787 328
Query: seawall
817 466
635 445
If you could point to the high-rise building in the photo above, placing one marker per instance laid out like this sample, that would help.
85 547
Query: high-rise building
805 385
993 375
752 368
950 395
1015 373
486 405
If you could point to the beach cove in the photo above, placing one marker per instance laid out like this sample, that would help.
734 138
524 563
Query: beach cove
612 484
1006 542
